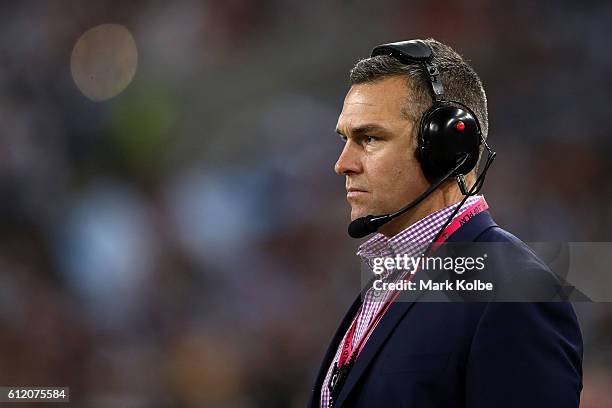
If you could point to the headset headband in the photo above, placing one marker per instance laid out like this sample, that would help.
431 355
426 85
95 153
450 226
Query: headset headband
415 51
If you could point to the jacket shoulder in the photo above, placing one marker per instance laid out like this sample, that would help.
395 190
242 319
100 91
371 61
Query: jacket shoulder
521 275
511 246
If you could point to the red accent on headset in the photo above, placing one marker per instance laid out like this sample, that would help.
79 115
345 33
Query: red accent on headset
460 126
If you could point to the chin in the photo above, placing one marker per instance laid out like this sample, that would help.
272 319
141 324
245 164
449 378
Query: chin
358 213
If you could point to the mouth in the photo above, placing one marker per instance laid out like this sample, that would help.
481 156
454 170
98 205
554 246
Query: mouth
354 192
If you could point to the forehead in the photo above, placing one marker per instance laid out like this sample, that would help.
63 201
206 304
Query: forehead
380 101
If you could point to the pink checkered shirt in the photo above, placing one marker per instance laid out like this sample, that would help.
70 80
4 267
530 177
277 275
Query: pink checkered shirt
412 241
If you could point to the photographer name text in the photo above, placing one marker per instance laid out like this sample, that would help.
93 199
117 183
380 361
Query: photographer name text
461 284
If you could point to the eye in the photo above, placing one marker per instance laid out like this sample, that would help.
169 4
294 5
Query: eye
369 139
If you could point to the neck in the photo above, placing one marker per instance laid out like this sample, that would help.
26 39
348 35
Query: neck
446 195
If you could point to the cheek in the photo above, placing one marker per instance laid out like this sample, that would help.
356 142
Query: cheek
396 180
394 170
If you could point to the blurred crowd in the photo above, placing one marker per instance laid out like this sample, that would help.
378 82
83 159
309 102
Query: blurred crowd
183 244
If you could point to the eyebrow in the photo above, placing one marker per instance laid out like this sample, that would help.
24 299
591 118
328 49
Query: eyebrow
369 127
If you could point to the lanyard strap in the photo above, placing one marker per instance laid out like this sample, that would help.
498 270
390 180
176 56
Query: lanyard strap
347 346
476 208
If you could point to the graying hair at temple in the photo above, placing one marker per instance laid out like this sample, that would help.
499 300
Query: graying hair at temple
461 83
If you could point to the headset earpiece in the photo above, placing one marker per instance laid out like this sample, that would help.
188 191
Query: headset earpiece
447 133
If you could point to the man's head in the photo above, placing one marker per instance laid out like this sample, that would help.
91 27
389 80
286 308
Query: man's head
380 121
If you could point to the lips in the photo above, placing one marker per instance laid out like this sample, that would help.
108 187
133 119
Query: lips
355 190
354 193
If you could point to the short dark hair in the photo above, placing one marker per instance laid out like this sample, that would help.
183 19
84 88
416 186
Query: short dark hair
460 81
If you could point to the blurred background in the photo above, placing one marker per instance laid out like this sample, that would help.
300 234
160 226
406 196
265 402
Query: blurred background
172 233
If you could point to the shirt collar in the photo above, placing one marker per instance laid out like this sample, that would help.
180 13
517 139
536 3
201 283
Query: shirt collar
413 240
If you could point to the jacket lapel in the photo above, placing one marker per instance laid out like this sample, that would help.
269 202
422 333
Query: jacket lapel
386 326
315 395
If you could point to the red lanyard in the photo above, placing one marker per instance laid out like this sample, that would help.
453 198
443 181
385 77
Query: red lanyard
347 346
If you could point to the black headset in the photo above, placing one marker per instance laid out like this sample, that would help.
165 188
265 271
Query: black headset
449 131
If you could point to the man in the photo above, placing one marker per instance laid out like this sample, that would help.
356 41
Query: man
411 353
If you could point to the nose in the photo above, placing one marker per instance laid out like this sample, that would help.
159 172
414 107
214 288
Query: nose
349 161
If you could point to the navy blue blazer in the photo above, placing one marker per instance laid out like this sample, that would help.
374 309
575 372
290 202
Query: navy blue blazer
469 354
